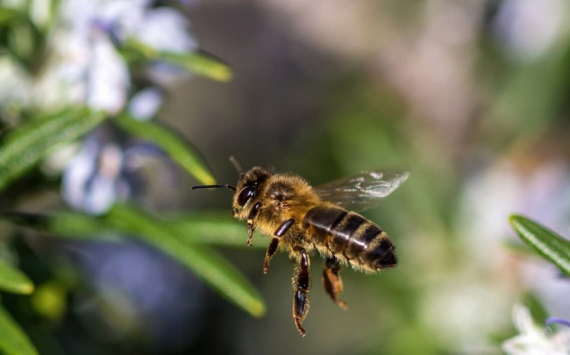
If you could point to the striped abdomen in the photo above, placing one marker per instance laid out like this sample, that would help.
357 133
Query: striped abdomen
351 237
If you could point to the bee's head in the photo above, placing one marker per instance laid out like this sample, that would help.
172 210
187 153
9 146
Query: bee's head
248 187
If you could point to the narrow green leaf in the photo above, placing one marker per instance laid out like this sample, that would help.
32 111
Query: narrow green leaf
203 228
13 340
167 236
204 262
65 224
32 141
13 280
213 228
198 61
547 243
171 143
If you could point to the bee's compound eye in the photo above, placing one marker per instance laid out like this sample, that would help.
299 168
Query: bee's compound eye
245 195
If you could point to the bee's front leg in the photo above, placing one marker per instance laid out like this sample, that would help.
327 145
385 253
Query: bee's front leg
272 248
301 287
250 226
332 281
250 231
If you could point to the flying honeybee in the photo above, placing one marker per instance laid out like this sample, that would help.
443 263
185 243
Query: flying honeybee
302 218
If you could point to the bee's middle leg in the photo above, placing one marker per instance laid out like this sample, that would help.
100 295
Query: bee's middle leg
272 248
332 281
301 287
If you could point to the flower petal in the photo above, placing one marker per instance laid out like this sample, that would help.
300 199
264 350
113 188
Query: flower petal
165 29
146 103
16 84
533 339
108 77
556 320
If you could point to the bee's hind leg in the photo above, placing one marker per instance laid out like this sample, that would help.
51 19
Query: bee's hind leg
301 288
332 281
272 248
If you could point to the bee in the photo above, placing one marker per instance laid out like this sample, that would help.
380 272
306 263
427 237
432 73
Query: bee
301 218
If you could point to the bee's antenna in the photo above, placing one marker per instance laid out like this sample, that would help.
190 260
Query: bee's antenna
236 164
223 186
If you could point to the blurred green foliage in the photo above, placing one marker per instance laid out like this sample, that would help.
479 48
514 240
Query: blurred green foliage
35 134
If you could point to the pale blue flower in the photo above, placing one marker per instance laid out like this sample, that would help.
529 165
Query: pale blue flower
100 174
534 339
146 103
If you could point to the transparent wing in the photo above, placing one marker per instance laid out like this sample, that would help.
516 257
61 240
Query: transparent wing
362 191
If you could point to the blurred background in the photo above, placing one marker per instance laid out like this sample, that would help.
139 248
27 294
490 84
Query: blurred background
470 97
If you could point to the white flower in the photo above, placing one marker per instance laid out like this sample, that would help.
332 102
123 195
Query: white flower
40 12
14 4
533 339
86 68
83 71
107 77
15 82
530 27
164 29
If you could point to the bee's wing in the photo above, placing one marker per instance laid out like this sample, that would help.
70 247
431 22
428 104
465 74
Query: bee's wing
362 191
